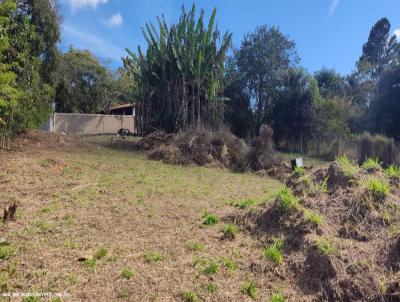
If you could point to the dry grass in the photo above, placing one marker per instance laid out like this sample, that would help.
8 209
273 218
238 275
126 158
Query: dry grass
112 207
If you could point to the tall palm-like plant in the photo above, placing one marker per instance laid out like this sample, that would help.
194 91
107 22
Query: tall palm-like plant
180 76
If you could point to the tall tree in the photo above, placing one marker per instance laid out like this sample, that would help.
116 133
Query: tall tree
262 58
330 83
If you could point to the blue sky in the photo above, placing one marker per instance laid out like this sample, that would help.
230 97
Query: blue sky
328 33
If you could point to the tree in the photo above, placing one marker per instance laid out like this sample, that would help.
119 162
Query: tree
86 85
262 58
330 83
180 77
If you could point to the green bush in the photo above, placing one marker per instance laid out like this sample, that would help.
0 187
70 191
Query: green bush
393 172
286 200
274 252
378 189
371 164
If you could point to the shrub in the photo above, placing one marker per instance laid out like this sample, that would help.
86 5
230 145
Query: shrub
250 289
189 296
210 219
278 298
230 230
325 246
378 189
286 200
350 168
244 203
274 252
371 164
298 171
393 172
127 273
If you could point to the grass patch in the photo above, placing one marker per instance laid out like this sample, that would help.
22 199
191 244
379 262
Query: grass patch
243 203
6 251
278 297
153 257
350 168
189 296
230 230
249 288
393 172
274 252
229 264
313 218
325 246
371 164
211 268
100 253
286 200
194 245
211 287
210 219
127 273
91 264
377 188
298 171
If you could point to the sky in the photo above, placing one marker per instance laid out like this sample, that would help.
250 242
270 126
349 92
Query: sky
328 33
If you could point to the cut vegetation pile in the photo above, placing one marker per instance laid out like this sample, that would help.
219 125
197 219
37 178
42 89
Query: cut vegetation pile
334 232
205 148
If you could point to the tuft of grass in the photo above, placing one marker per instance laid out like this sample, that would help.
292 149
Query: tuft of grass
286 200
31 299
91 264
350 168
127 273
393 172
371 164
249 288
243 203
274 252
210 219
229 264
100 253
211 268
6 251
278 297
153 257
194 245
230 230
211 287
298 171
189 296
313 217
378 189
325 246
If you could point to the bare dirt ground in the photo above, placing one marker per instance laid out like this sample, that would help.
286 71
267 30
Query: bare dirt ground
110 225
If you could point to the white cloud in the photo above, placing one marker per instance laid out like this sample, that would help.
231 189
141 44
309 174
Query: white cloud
397 33
115 20
333 7
77 4
97 45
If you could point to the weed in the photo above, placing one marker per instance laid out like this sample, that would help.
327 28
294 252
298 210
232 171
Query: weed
323 186
325 246
69 244
43 227
100 253
123 294
249 288
91 264
127 273
378 189
274 252
243 203
31 299
211 268
286 200
371 164
153 257
210 219
229 230
298 171
278 297
313 217
229 264
393 172
46 210
189 296
350 168
6 251
194 245
211 287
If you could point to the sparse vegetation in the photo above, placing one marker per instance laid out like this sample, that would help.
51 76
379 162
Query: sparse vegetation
325 246
127 273
249 288
243 203
194 245
229 264
298 171
211 267
286 200
313 217
230 230
393 172
379 189
371 164
6 251
210 219
153 257
100 253
189 296
278 297
274 252
211 287
350 168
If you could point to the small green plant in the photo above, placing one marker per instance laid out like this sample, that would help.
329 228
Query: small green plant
378 189
91 264
249 288
153 257
274 252
210 219
31 299
100 253
211 268
243 203
286 200
6 251
189 296
350 168
211 287
278 297
371 164
325 246
298 171
194 245
393 172
323 186
229 230
127 273
229 264
313 217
